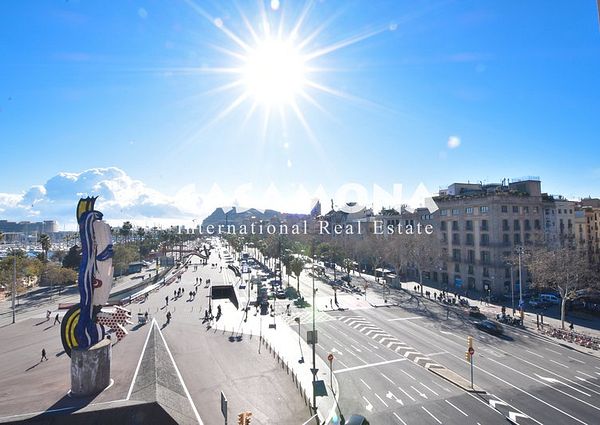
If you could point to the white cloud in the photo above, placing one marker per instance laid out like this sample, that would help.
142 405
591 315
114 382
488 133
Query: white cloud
453 142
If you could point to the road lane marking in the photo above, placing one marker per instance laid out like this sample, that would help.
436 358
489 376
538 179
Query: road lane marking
380 356
583 373
342 363
369 406
349 369
429 389
587 382
405 318
430 414
560 364
391 396
381 400
436 354
399 418
355 349
456 408
555 352
419 392
393 383
408 374
407 394
535 354
366 385
576 360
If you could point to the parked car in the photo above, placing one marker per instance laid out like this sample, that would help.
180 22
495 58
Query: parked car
490 326
550 299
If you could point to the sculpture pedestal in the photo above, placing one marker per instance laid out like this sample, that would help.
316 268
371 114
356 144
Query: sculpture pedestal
90 369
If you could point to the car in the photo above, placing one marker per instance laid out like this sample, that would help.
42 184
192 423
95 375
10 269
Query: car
550 299
280 294
357 420
490 326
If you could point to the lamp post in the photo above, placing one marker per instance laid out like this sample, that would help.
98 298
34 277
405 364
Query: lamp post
314 371
14 288
512 288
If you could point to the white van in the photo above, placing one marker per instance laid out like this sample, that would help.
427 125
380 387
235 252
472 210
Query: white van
549 299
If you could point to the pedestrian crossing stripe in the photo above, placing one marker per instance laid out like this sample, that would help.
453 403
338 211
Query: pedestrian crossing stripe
306 317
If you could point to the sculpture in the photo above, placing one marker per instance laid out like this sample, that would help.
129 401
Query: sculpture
82 324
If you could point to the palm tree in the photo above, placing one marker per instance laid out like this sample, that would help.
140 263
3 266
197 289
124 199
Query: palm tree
297 265
44 240
125 230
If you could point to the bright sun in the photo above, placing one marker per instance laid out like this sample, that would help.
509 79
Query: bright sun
274 72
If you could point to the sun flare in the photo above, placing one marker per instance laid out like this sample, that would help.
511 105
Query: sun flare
274 72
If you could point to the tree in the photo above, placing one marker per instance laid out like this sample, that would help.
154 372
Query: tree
45 242
297 265
422 252
53 274
73 258
125 230
123 255
395 252
560 268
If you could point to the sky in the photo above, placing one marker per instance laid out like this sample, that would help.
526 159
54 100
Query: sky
169 109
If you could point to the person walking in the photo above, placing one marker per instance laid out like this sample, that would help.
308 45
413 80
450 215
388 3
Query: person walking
331 303
56 320
48 313
43 355
168 317
167 300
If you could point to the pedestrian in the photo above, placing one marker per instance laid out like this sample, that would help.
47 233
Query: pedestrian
167 300
43 355
331 303
48 313
206 315
210 310
174 294
168 317
56 320
287 310
571 326
146 316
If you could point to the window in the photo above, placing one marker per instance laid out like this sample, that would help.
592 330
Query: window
484 225
455 211
456 254
485 257
536 224
471 270
505 239
456 268
517 239
505 225
444 237
485 239
515 209
517 225
470 256
443 225
484 209
470 239
536 210
443 212
486 272
455 239
504 208
455 226
527 238
527 225
570 211
469 225
469 210
525 210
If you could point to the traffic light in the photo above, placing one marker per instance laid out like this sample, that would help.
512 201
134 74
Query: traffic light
467 356
469 342
242 418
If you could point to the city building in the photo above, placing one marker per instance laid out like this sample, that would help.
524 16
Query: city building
587 229
481 227
559 219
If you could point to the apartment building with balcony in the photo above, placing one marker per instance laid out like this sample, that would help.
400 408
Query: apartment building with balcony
587 229
480 226
559 219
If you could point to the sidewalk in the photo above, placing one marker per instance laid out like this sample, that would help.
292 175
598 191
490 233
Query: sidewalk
291 351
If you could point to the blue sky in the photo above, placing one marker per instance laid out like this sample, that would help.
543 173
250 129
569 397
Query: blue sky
84 85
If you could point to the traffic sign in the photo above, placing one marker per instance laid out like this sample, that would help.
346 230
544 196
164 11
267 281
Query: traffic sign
330 357
471 350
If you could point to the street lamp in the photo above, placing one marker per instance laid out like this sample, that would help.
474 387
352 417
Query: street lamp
314 337
520 252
